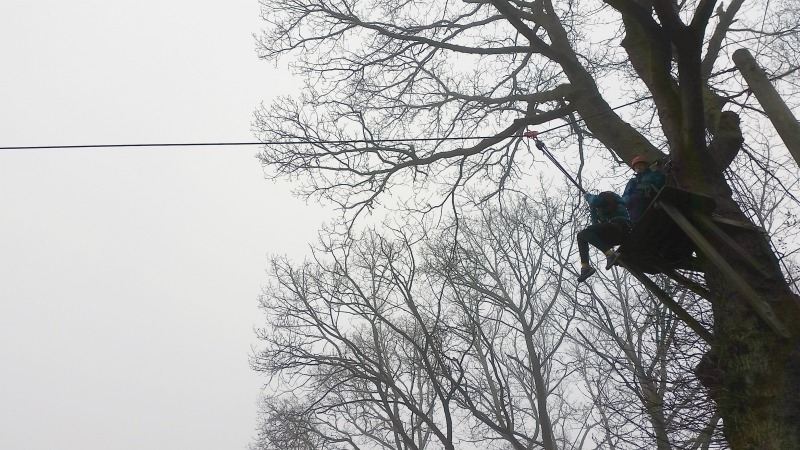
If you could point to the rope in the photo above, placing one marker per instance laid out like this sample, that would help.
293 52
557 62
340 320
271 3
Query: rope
540 145
290 142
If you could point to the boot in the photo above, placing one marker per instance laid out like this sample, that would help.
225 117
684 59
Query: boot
611 259
586 272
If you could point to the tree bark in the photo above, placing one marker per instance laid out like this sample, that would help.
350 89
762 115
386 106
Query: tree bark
752 374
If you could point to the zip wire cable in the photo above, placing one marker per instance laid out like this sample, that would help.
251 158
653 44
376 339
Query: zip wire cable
351 141
220 144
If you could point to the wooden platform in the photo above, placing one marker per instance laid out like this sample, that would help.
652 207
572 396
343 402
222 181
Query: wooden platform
657 242
676 230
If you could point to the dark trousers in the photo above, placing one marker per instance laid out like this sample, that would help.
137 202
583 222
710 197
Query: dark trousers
603 236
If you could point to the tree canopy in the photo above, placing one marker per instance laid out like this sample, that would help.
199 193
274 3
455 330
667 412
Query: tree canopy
419 104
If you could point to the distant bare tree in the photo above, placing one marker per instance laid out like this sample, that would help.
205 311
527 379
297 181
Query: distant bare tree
286 425
469 337
369 348
503 272
350 338
637 363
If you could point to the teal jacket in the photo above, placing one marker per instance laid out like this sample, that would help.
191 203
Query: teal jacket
641 190
607 207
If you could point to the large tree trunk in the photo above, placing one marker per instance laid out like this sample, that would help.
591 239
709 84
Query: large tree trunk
752 373
757 382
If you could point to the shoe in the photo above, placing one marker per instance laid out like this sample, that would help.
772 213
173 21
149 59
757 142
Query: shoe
586 272
611 260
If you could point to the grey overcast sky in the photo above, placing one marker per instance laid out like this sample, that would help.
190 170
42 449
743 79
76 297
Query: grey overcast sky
129 277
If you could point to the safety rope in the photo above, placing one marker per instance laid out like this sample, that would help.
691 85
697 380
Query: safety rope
541 146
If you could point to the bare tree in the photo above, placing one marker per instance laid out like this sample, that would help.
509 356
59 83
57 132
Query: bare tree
286 425
772 202
503 272
379 72
350 339
468 337
637 364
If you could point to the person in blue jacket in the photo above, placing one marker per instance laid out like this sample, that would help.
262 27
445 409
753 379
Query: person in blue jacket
610 225
642 188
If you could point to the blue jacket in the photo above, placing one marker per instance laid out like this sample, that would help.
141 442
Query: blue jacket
606 207
640 191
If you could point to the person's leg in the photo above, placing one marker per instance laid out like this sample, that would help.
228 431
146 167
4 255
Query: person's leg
584 238
596 235
603 236
612 234
583 246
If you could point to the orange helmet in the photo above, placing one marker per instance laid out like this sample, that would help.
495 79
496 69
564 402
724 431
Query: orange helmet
639 159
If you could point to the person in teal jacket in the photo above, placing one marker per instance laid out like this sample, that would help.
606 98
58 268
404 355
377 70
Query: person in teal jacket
642 188
610 226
